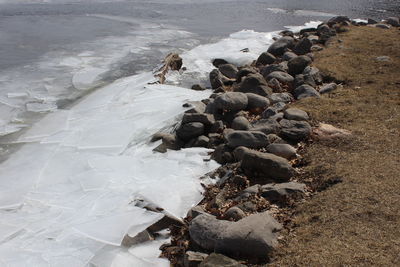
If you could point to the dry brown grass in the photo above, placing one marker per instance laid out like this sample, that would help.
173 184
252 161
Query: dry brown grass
355 222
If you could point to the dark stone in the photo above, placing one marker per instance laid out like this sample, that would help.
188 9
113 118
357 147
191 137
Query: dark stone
301 79
327 88
314 73
303 47
196 107
231 101
278 192
338 19
239 152
219 61
298 64
198 87
282 77
295 130
217 127
273 110
287 33
234 214
215 139
141 237
275 85
222 154
256 102
266 165
204 118
253 139
240 123
279 47
216 79
201 141
296 114
229 70
372 21
288 56
193 259
274 139
265 59
282 150
240 180
267 126
304 91
281 97
219 260
393 21
308 30
196 211
190 130
382 26
272 68
244 72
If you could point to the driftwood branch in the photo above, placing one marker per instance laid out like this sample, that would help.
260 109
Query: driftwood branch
171 62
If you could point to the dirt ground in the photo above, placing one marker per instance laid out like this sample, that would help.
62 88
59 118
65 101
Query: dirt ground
356 221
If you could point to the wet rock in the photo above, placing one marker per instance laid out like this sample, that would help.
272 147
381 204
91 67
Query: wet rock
256 102
193 259
222 154
239 152
266 126
240 123
252 237
279 47
219 260
244 72
196 107
190 130
198 87
266 165
204 118
229 70
142 237
280 97
234 214
231 101
256 84
295 130
278 192
303 47
201 141
296 114
265 59
298 64
393 21
219 61
327 88
216 79
253 139
288 56
304 91
282 77
282 150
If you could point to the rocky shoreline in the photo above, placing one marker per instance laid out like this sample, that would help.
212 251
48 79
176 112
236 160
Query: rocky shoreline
258 139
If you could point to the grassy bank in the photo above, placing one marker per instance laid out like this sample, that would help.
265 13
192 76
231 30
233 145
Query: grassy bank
355 222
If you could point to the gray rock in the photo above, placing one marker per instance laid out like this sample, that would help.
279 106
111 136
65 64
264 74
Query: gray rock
216 79
239 152
240 180
219 260
244 72
273 110
219 61
229 70
231 101
298 64
164 223
266 126
382 26
274 139
253 190
198 87
304 91
301 79
190 130
265 59
196 211
196 107
282 150
280 97
169 141
253 139
383 58
314 73
393 21
256 84
372 21
279 47
295 130
217 127
338 19
271 68
296 114
222 154
277 192
282 77
201 141
204 118
327 88
288 56
275 85
316 48
193 259
234 214
266 165
303 47
240 123
252 237
256 102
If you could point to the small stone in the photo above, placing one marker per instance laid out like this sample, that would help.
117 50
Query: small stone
228 70
222 154
190 130
234 214
316 48
271 68
240 180
267 126
280 97
244 72
298 64
219 260
326 131
372 21
196 211
265 59
296 114
282 150
141 237
304 91
198 87
327 88
382 26
216 79
201 141
256 102
193 259
303 47
253 139
240 123
231 101
288 56
383 58
295 130
256 84
239 152
196 107
219 61
277 192
282 77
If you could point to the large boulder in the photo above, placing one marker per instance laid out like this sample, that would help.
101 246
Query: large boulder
206 119
295 114
282 150
294 130
256 102
304 91
250 139
303 47
265 59
231 101
281 76
219 260
252 237
279 47
266 165
190 130
229 70
298 64
254 83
